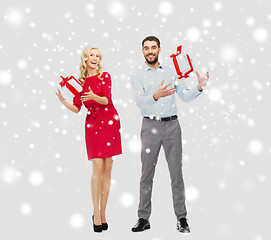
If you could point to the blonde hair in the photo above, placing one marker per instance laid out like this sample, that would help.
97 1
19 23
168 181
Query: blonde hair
83 66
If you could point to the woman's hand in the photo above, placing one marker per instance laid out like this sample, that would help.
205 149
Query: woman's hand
202 80
60 97
88 96
66 104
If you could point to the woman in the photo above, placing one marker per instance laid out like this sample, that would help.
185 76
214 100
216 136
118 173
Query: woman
102 127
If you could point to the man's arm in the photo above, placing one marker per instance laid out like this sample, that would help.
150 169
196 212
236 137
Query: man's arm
139 93
184 92
187 94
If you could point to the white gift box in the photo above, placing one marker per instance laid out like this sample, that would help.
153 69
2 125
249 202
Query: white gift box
70 86
182 63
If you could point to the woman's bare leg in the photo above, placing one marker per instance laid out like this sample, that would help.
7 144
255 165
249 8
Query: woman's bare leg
96 182
106 182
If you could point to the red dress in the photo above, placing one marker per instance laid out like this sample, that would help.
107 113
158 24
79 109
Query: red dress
102 121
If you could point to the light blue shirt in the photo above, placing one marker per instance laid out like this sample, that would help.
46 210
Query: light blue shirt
145 83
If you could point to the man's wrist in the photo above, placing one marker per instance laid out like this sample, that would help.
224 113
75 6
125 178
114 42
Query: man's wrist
155 97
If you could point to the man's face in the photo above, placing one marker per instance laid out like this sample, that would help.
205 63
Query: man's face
151 51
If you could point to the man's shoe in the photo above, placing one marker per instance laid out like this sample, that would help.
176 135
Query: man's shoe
142 224
182 226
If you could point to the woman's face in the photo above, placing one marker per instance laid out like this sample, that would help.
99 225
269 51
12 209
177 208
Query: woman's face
94 59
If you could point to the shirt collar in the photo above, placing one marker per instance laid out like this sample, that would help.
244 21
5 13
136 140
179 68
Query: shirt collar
147 68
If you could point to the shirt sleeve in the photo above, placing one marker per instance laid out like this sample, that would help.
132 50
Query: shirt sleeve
184 92
107 87
141 98
77 101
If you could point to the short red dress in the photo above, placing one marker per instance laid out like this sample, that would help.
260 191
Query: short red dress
102 127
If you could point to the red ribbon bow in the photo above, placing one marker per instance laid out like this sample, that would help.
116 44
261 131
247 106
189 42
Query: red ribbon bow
65 81
93 108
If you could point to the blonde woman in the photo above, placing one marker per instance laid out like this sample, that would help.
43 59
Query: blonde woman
103 140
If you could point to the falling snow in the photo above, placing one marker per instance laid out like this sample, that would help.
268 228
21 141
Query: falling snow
5 77
193 34
26 209
166 8
260 34
44 172
255 146
77 221
192 193
36 178
127 200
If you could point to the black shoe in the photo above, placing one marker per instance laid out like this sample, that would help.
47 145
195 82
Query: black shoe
182 226
97 228
142 224
105 226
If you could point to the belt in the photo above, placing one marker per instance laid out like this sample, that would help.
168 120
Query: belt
163 119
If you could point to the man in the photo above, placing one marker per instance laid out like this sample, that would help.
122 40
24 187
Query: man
160 126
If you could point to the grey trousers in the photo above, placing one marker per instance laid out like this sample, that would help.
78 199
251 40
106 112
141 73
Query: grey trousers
155 134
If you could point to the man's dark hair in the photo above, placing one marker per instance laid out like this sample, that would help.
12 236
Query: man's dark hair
151 38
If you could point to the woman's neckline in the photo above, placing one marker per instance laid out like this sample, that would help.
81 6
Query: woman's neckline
96 76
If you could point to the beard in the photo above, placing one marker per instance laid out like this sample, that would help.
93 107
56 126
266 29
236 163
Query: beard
155 60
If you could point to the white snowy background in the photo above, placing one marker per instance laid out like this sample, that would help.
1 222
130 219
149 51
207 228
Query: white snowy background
44 172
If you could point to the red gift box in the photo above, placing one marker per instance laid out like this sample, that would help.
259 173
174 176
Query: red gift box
182 64
71 86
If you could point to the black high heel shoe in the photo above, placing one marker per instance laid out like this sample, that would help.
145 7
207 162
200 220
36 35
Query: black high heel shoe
97 228
105 226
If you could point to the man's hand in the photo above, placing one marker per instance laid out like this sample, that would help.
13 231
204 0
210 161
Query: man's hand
88 95
202 80
162 91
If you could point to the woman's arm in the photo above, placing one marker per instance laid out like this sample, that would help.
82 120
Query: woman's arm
70 107
91 96
66 104
101 100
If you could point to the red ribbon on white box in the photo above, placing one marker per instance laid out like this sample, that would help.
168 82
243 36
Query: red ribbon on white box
72 84
176 63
